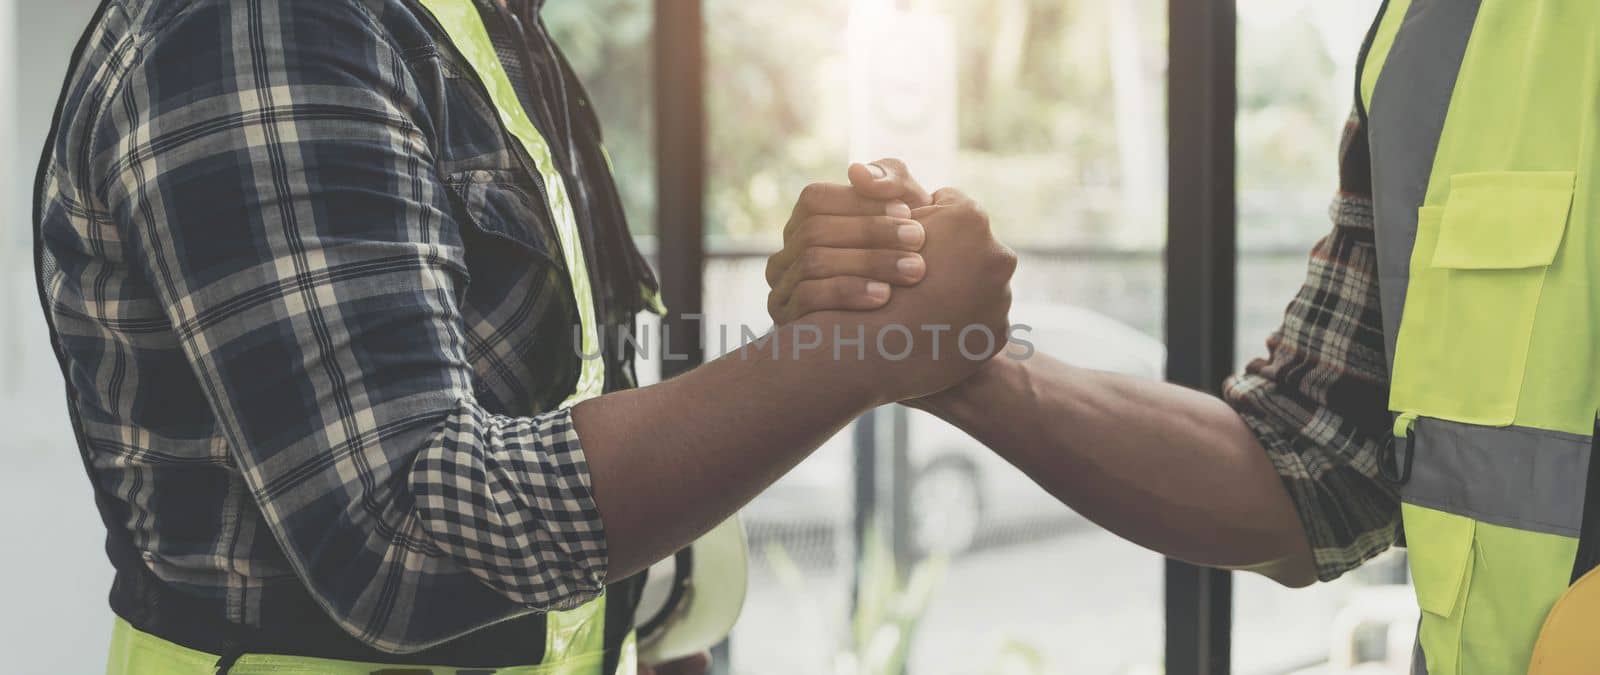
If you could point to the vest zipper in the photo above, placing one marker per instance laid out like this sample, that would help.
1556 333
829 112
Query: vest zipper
1394 463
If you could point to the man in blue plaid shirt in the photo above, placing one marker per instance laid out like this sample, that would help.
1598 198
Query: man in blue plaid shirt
316 328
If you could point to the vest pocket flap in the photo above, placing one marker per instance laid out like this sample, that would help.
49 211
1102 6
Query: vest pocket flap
1504 220
1439 547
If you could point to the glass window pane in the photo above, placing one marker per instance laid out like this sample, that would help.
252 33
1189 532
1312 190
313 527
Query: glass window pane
1297 61
1051 115
608 44
1061 135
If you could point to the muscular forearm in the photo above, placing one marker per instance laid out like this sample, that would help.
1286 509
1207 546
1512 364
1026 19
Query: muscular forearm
1169 468
670 461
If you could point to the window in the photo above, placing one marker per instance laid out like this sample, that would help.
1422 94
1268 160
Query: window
1049 113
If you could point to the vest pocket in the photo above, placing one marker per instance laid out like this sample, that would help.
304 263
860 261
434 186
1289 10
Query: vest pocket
1484 589
1439 550
1477 269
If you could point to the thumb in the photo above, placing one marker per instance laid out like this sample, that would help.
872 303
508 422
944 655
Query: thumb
887 179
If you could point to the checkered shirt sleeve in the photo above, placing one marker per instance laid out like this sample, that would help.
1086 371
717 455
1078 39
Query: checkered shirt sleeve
1317 401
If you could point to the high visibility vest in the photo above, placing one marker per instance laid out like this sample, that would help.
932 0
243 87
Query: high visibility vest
1483 121
575 641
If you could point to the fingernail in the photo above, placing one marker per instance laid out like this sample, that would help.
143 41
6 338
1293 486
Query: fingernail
911 265
897 209
876 171
911 234
877 290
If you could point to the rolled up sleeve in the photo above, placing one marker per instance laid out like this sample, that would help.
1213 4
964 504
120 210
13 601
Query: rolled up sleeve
1318 400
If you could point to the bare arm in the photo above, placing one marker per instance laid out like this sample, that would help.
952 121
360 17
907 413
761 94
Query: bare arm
671 461
1166 467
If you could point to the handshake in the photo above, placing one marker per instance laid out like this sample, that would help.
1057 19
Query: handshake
914 286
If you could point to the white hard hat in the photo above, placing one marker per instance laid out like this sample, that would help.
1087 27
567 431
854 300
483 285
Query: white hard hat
691 600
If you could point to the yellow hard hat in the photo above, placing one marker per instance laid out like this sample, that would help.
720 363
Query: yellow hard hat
1567 644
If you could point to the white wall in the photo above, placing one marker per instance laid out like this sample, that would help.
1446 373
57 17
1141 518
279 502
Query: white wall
8 189
54 576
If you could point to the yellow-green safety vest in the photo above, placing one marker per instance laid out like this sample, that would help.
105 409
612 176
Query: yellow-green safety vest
574 639
1483 121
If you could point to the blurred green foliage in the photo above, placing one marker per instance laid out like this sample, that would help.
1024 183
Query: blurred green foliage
1061 114
608 43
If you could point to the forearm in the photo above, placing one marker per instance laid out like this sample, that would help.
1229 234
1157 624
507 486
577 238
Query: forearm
670 461
1168 468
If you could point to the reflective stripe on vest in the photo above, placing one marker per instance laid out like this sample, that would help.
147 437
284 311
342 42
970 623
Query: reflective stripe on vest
1482 122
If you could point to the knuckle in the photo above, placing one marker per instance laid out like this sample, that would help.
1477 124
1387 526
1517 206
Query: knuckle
971 211
813 264
808 233
772 268
1004 259
805 295
812 194
979 214
838 292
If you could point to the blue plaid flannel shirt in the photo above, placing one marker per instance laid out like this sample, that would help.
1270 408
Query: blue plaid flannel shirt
314 317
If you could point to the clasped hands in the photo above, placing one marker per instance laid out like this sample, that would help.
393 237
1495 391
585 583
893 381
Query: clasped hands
920 276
